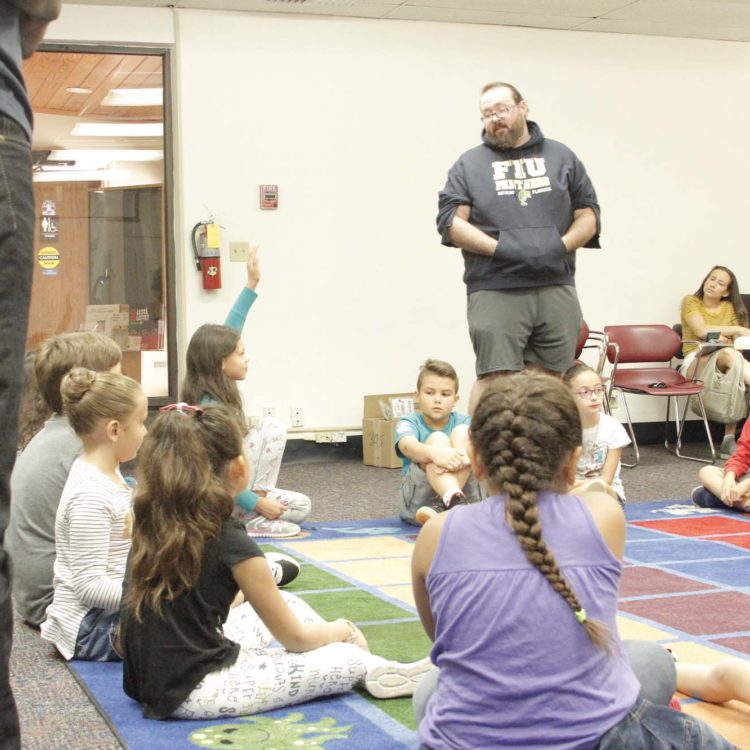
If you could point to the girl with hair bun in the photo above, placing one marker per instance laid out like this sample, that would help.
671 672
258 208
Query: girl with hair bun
94 519
519 595
191 648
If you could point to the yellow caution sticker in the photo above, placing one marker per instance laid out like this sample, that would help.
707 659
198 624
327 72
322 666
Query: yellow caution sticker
49 257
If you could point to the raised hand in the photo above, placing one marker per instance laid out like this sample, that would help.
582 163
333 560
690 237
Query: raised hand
253 268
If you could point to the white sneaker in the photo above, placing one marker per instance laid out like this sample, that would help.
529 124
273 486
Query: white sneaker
262 527
394 679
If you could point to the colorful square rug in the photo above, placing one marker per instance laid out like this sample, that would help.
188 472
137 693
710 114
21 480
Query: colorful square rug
685 585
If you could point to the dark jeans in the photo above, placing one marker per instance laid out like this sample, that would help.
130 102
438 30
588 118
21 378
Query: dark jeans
16 266
652 727
97 635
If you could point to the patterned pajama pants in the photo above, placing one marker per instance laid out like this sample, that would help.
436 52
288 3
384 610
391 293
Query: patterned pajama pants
265 448
265 678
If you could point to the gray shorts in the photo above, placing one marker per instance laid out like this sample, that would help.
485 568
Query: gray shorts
416 491
512 327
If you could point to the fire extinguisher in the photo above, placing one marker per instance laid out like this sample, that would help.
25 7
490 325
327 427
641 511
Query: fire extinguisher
206 250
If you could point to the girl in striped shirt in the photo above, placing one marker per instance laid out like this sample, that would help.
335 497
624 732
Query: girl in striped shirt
94 518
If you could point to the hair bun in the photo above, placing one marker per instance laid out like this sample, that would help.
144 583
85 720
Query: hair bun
76 385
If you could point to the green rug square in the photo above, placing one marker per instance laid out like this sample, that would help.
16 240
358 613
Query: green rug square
355 605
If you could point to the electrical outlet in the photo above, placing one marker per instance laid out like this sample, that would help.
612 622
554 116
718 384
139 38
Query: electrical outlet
330 437
269 411
297 418
239 251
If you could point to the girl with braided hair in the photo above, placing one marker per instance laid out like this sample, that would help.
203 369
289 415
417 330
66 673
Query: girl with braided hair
519 595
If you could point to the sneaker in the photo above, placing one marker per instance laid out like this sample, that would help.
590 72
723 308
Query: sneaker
284 569
263 527
705 499
457 498
426 512
395 680
728 446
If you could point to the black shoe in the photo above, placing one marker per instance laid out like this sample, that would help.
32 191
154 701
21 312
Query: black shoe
458 498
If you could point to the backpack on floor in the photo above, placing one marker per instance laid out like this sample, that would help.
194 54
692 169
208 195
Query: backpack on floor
723 393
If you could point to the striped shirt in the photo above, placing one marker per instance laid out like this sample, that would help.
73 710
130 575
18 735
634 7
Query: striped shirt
92 541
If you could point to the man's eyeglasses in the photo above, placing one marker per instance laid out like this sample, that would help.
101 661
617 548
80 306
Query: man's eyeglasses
497 114
585 393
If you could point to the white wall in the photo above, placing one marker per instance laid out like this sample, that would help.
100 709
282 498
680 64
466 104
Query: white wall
358 122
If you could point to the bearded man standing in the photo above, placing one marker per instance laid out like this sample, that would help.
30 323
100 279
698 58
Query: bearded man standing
519 206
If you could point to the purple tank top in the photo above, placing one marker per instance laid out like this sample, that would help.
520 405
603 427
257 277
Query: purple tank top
517 669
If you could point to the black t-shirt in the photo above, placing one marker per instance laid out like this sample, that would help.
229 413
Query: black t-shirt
166 657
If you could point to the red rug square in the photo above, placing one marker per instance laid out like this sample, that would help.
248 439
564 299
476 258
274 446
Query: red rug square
738 540
700 526
638 580
740 643
699 614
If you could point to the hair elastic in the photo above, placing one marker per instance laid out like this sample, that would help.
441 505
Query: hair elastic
581 615
183 408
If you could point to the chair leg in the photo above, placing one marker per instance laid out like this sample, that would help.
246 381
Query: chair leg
679 426
632 434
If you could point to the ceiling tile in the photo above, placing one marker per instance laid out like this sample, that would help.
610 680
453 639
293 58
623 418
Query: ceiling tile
733 34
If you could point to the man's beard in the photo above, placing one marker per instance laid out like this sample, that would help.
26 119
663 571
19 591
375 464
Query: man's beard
510 137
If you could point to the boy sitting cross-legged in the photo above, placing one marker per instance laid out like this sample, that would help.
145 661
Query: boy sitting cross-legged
432 444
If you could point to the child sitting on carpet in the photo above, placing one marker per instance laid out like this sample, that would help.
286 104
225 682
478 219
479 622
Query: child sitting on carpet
216 361
603 437
188 653
93 522
30 536
728 487
432 445
519 594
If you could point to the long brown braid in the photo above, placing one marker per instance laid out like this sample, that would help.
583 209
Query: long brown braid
524 429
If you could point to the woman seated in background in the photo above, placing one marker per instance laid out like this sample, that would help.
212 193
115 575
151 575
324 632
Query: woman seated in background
715 308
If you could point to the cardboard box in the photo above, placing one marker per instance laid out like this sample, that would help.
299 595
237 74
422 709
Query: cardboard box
381 413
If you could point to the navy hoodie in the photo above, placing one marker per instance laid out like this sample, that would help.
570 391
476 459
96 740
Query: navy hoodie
525 198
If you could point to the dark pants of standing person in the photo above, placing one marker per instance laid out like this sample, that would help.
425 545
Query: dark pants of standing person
16 267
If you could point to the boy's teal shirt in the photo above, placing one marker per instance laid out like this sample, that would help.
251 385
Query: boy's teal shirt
414 424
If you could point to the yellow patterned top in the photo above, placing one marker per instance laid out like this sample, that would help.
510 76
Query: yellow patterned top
723 315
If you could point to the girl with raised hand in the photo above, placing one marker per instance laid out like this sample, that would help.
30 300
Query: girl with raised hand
93 522
602 439
715 308
188 652
216 361
519 594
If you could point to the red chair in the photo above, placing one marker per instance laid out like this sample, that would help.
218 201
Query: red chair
588 339
647 345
